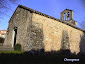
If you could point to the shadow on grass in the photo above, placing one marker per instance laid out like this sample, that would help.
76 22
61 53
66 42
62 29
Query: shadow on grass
41 57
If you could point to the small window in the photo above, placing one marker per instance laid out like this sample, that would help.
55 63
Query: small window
68 17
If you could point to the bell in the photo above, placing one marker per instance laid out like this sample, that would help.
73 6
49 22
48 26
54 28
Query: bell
68 15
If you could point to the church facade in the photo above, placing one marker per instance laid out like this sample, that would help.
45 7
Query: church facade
35 30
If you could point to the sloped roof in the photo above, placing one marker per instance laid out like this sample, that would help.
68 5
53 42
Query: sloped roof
48 16
3 30
67 9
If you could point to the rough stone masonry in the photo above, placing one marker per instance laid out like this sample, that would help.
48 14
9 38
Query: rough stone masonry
35 30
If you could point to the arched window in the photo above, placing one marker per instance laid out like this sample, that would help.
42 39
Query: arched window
64 16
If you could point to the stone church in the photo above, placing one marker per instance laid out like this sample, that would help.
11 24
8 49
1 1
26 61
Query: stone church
35 30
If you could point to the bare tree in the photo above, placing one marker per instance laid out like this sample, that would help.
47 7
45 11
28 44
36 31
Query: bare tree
83 25
5 3
5 6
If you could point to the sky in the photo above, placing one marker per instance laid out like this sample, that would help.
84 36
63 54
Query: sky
49 7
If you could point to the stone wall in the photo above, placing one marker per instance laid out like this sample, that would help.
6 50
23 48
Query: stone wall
20 19
29 34
53 30
65 44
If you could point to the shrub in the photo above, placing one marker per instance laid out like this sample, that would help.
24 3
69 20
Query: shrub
10 52
18 47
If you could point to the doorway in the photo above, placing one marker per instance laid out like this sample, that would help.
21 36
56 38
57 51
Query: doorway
15 36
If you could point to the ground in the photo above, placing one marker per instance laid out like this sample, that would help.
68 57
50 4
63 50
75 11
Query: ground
17 57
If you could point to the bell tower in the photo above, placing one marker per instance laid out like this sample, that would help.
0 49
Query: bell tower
67 16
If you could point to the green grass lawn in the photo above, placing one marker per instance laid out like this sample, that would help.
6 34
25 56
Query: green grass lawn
10 51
